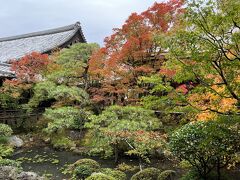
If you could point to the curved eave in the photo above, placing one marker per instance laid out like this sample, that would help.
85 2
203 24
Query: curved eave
78 30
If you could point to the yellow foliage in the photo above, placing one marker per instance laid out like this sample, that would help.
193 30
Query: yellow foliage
231 54
206 115
210 103
227 104
238 79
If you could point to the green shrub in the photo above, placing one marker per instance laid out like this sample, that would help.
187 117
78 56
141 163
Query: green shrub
89 162
127 168
116 174
100 176
63 118
3 140
7 101
5 130
146 174
118 128
84 168
184 164
167 175
206 145
9 162
190 175
5 150
193 175
62 142
83 171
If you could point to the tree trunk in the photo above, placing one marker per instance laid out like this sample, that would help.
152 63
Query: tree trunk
116 153
140 163
218 170
204 175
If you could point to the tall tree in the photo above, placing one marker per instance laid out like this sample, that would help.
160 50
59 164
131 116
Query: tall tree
130 52
205 51
66 78
63 90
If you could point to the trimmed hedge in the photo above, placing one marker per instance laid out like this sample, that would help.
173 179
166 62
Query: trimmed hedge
116 174
100 176
83 168
146 174
167 175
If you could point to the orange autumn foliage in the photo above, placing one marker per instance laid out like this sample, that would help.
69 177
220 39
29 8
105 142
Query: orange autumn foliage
211 104
28 70
29 67
131 52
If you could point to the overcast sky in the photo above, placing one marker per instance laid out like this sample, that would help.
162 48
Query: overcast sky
97 17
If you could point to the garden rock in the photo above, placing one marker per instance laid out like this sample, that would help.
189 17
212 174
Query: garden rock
15 141
29 176
8 172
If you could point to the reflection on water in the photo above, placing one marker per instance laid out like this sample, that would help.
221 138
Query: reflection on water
51 162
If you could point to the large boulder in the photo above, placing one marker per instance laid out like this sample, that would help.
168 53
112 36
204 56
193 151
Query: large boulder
8 172
29 176
13 173
15 141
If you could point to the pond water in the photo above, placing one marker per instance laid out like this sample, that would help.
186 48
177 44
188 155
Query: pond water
47 161
51 162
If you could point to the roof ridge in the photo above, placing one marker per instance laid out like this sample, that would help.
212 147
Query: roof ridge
4 64
75 26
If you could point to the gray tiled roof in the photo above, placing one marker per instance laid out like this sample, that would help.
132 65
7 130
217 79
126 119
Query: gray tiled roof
16 47
5 70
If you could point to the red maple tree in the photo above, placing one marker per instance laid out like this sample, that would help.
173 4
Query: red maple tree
28 70
29 67
130 52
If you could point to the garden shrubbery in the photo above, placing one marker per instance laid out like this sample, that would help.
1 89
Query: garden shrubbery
128 129
83 168
207 146
5 130
100 176
167 175
5 149
116 174
146 174
91 169
9 162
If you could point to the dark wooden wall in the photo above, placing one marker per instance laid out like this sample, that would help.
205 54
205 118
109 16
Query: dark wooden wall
19 117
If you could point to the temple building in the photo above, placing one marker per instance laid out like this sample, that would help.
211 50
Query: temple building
15 47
